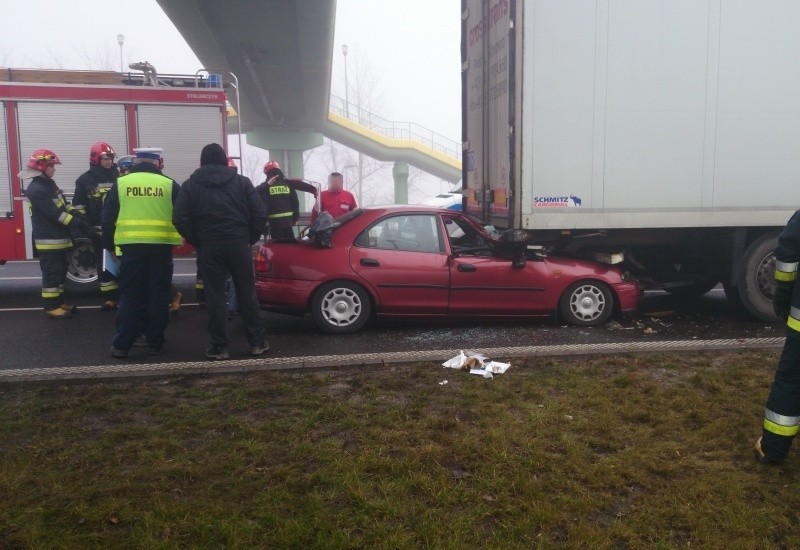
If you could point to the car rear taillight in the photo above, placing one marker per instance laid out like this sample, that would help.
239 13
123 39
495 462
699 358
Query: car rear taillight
261 263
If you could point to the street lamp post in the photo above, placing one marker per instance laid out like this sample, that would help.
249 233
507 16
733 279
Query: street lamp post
346 100
121 41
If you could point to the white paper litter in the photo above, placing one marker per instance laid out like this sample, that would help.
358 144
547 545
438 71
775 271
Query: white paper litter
443 382
476 363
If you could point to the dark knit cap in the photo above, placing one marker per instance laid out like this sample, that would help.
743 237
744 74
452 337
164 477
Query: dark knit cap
213 153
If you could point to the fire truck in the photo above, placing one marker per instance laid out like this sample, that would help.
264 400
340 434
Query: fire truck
68 111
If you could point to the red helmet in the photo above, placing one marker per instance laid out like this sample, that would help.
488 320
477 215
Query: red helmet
271 165
41 159
100 149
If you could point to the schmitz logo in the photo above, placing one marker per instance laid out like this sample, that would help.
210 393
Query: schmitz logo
557 202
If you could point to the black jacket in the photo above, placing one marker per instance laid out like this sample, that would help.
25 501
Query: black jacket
90 191
217 206
108 220
283 207
51 215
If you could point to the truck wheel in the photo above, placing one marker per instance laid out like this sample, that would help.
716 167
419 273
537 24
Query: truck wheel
757 285
82 263
587 304
341 307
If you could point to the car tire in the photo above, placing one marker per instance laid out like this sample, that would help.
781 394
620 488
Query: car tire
341 307
587 304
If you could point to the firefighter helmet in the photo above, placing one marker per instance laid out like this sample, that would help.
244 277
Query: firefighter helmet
125 163
271 165
100 149
41 159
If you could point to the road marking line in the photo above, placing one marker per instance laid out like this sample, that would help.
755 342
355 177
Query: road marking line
125 369
18 309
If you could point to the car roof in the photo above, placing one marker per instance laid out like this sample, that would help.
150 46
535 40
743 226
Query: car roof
407 208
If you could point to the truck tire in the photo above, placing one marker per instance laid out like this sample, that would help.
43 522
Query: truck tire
341 307
587 304
81 263
757 284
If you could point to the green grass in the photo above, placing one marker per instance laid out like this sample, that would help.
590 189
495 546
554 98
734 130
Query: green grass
646 451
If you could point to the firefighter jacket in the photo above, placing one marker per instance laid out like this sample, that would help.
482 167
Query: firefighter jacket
787 256
90 191
217 206
51 215
138 209
283 207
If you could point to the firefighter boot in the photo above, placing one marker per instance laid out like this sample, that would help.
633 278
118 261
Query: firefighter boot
59 313
761 457
175 304
68 307
109 305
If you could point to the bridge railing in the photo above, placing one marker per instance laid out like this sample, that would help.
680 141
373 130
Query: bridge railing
395 130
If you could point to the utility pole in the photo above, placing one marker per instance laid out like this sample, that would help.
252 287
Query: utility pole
346 100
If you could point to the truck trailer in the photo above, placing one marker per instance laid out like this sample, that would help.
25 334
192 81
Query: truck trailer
68 111
660 134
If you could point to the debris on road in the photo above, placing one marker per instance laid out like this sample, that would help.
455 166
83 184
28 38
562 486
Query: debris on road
476 363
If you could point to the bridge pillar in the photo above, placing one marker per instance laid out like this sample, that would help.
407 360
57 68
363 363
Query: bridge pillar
400 174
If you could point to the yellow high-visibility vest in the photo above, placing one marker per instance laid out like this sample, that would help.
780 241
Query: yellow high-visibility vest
145 210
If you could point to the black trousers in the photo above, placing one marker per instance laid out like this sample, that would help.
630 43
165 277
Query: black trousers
53 264
145 277
216 263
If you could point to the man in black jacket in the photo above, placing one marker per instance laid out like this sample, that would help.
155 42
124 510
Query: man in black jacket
219 212
90 192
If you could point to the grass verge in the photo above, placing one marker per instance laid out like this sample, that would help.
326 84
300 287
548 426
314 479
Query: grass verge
598 452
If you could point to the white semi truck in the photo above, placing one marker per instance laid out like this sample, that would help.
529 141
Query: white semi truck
662 134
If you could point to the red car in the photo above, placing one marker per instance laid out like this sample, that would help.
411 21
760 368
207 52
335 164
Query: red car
429 262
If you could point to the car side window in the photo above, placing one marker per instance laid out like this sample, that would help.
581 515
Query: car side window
465 239
412 233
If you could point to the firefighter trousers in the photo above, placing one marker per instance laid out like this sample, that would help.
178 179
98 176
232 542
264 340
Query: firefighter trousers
54 271
109 286
217 263
145 277
782 412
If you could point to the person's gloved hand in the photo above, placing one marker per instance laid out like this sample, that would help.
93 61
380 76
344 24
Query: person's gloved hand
782 301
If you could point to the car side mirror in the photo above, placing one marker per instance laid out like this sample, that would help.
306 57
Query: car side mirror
519 258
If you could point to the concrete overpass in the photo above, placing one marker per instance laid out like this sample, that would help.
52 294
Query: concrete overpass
281 52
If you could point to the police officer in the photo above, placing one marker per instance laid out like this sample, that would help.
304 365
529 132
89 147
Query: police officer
53 222
782 411
283 207
137 217
90 191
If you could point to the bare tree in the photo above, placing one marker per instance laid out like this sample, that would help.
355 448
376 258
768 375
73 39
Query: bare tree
105 58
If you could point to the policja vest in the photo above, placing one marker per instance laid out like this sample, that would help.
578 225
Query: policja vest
145 210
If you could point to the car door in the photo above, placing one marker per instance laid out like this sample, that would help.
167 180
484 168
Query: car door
402 257
483 280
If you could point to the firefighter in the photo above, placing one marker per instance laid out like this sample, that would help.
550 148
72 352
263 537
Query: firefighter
283 207
54 222
782 411
137 217
90 191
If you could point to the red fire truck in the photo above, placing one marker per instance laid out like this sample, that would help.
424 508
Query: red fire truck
68 111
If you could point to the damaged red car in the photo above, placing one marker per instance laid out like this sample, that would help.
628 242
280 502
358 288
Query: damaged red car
405 261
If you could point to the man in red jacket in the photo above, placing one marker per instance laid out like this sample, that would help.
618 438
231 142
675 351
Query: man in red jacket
335 200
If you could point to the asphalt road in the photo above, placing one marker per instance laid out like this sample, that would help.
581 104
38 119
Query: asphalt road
29 339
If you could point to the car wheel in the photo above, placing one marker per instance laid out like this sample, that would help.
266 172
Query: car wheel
587 304
341 307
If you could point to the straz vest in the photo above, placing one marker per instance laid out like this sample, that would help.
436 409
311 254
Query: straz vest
145 210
